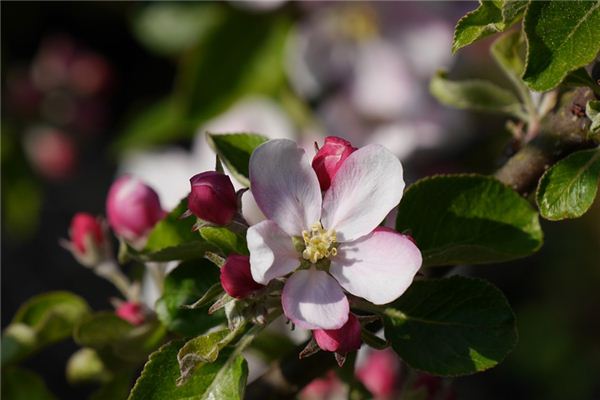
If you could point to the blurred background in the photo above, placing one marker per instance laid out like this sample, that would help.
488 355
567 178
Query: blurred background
94 90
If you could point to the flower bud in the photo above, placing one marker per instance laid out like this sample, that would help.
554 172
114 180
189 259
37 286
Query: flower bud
236 277
380 373
342 340
88 242
330 158
212 197
133 208
131 312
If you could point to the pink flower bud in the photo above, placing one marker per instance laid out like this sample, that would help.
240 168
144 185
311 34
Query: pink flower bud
88 242
380 373
236 277
131 312
212 197
327 387
330 158
343 340
133 208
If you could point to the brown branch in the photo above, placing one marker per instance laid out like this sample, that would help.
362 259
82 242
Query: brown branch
289 375
563 131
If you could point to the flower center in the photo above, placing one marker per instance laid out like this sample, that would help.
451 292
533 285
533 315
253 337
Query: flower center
319 243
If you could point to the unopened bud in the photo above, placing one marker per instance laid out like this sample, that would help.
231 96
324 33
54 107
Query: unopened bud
236 277
131 312
330 158
212 197
133 208
87 239
342 340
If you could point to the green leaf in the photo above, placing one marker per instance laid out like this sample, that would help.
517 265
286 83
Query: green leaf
198 351
42 320
592 110
450 327
226 240
568 188
562 36
223 379
184 285
171 28
86 365
507 50
468 219
489 18
173 239
21 384
474 94
235 151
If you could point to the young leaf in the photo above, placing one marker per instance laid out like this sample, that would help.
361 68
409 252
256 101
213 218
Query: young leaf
592 110
173 239
568 188
468 219
235 151
474 94
561 36
21 384
226 240
184 285
198 351
506 50
85 366
224 378
42 320
489 18
450 327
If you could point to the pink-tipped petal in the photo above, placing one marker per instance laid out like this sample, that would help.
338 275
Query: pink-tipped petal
285 186
312 299
364 190
272 252
378 267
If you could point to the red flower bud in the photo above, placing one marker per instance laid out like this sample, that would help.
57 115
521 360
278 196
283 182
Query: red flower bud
330 158
131 312
380 373
213 197
133 208
87 239
343 340
236 277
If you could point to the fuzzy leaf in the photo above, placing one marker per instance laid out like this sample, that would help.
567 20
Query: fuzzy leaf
562 36
592 110
226 240
450 327
468 219
235 150
568 188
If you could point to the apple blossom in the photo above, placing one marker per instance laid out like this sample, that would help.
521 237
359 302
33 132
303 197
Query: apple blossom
88 242
342 340
133 208
212 197
330 158
329 244
131 312
236 277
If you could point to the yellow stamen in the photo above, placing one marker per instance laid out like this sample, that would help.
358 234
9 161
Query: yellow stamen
320 243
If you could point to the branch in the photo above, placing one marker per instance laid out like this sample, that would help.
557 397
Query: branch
561 132
288 376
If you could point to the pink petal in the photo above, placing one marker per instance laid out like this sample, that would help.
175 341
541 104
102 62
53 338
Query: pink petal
285 186
378 267
364 190
272 253
312 299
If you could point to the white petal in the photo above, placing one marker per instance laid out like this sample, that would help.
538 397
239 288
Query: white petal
312 299
378 267
364 190
285 186
272 252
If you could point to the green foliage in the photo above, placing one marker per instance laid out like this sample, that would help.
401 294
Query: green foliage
468 219
562 36
489 18
199 351
592 110
171 28
474 94
224 378
173 238
226 240
21 384
235 151
451 327
86 365
42 320
568 188
184 285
